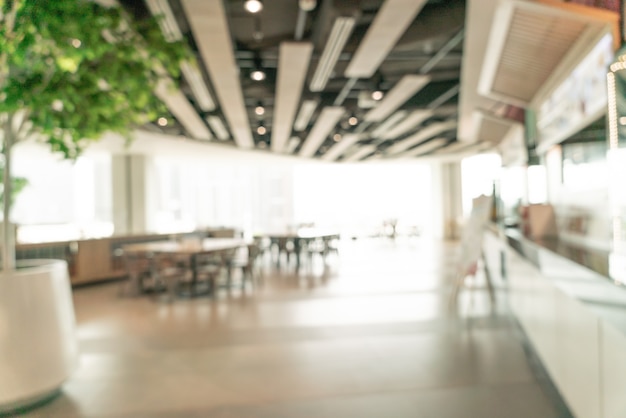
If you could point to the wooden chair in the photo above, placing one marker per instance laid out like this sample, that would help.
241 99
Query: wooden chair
287 247
245 262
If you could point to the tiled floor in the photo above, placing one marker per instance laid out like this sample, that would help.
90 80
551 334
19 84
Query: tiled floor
370 336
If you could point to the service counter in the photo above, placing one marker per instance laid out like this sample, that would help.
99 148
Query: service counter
571 311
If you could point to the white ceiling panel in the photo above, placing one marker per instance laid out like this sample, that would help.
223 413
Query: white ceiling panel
304 116
388 26
406 88
293 64
424 148
422 135
360 153
411 122
341 147
184 112
208 20
490 128
324 125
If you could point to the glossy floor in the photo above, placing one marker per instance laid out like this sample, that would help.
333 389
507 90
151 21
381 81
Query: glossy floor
371 335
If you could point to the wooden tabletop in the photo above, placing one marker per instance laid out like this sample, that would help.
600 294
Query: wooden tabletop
306 233
206 245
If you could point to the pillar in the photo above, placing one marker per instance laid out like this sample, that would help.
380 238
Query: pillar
447 199
129 194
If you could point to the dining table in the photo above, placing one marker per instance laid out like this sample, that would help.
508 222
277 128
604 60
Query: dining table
301 238
190 251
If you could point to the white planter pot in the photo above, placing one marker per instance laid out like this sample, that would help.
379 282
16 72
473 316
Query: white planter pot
38 344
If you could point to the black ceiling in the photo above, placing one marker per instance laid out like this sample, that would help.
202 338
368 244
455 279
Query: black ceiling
256 39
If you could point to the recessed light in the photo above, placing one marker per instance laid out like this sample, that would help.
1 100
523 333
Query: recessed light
259 110
257 75
337 137
261 130
162 121
307 5
253 6
377 95
353 120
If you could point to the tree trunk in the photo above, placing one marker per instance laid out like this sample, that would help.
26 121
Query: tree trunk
8 241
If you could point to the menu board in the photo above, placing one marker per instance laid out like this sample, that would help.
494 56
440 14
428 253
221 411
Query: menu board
580 99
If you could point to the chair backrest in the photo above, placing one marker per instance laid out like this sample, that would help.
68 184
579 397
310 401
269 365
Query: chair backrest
253 251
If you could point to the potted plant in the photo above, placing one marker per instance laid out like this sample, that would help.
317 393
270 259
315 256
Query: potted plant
69 71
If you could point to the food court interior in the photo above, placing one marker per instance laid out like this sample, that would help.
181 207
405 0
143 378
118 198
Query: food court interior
416 211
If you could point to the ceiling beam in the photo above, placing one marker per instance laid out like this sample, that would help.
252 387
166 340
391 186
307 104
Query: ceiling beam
360 154
340 147
391 21
209 24
180 107
404 89
421 136
325 123
293 65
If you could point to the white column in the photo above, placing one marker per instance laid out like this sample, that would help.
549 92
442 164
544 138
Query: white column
447 199
129 194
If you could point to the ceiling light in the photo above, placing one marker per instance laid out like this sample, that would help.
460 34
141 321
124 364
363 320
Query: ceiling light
337 137
167 21
377 95
391 21
340 147
259 110
404 89
253 6
305 114
293 64
162 121
179 106
342 28
261 130
198 86
215 122
258 75
353 121
307 5
325 124
262 144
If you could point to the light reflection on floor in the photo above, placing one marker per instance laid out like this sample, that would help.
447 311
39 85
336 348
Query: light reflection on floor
368 335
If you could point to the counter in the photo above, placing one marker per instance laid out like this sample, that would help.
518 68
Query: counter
573 314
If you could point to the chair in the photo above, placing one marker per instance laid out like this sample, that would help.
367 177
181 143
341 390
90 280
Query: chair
245 261
212 267
140 271
285 246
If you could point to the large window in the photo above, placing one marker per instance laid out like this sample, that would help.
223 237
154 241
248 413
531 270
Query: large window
193 193
63 200
478 174
360 199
